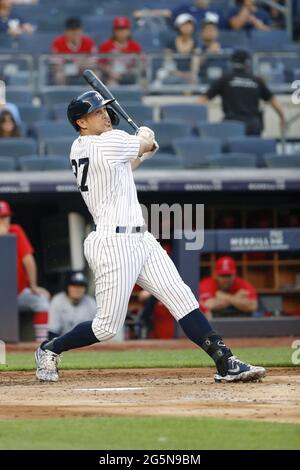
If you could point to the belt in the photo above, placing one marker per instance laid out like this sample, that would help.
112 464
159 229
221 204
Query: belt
140 229
124 229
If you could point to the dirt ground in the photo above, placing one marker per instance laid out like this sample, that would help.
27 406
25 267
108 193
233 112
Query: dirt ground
151 392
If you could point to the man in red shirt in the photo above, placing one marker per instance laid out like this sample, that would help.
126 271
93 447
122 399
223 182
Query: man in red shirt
226 294
30 295
119 70
73 41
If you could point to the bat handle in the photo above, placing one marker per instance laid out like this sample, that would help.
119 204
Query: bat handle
133 124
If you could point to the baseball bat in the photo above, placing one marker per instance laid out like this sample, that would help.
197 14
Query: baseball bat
99 86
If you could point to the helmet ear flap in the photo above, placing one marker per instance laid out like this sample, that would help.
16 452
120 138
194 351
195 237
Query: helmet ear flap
114 117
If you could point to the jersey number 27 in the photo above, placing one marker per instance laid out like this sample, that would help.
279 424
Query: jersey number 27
85 162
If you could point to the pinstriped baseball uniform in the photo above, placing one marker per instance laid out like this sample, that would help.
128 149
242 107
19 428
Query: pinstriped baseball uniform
102 166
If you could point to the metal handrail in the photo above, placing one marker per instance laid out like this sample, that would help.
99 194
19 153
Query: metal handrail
286 10
284 131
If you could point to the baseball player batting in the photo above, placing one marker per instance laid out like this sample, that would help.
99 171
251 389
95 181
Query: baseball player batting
120 251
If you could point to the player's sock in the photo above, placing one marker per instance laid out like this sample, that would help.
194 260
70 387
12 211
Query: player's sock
82 335
198 329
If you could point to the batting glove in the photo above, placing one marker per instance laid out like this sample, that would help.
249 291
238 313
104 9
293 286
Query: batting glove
147 132
148 155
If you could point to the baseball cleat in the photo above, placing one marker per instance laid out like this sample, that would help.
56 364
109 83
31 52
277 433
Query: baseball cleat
239 371
47 363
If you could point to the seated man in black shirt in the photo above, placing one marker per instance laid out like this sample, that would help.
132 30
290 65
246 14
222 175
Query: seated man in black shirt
241 92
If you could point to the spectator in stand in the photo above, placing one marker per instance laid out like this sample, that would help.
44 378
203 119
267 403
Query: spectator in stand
9 124
277 17
199 10
30 295
10 22
73 41
120 70
246 15
180 70
226 294
241 92
209 35
72 306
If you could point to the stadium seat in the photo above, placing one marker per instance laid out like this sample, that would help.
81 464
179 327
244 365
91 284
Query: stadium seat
98 24
7 44
30 114
230 39
58 146
17 147
48 163
7 164
48 128
18 97
273 160
221 130
194 151
190 113
162 160
60 111
269 40
254 145
167 131
149 40
138 112
124 94
37 43
52 97
232 160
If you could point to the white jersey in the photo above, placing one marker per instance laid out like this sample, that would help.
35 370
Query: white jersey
102 165
104 176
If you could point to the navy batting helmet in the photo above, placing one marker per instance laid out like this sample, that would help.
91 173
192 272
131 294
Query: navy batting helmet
76 278
87 103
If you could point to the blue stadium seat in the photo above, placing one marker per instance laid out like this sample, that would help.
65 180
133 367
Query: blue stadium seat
48 128
7 164
232 39
98 24
37 43
123 94
221 130
52 97
254 145
18 96
58 146
7 44
47 163
232 160
162 160
167 131
17 147
60 111
138 112
30 113
149 40
272 160
194 152
190 113
269 40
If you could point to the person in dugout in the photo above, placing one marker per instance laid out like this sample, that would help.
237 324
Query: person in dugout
30 295
225 294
